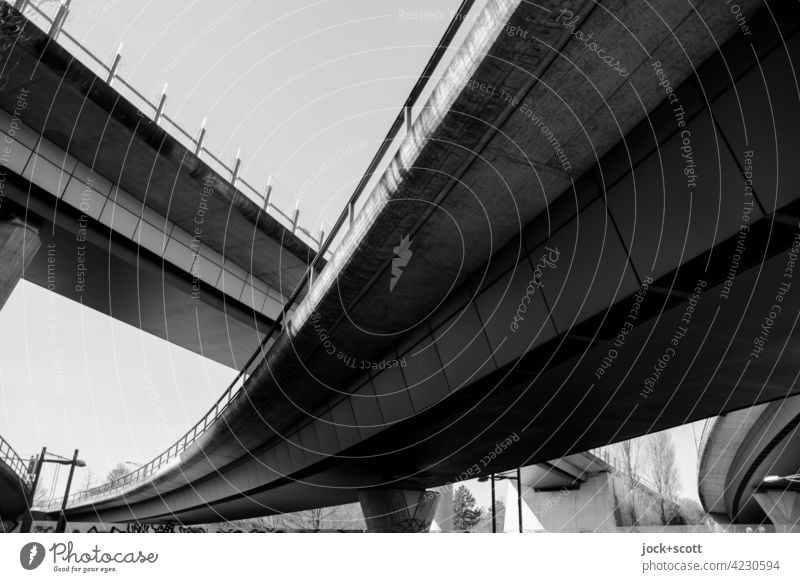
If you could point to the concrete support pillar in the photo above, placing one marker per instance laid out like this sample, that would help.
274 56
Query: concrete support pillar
18 246
398 510
782 508
444 510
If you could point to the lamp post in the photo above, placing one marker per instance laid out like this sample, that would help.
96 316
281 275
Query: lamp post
62 516
775 480
495 477
772 479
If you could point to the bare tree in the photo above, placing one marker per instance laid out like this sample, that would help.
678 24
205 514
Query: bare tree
88 479
662 471
625 457
308 519
347 516
119 471
692 512
339 517
318 515
42 494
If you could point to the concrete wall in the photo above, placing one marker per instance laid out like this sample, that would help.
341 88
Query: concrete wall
18 246
601 504
589 508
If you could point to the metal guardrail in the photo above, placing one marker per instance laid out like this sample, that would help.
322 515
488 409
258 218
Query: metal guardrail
12 460
708 428
346 217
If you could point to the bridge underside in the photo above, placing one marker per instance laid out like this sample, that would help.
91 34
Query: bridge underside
132 222
13 495
742 449
547 407
650 313
85 261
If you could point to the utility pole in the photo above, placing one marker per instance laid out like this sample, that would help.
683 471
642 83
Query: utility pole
59 460
27 520
62 516
495 477
519 497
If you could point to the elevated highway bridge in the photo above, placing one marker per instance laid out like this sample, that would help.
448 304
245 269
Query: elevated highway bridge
486 289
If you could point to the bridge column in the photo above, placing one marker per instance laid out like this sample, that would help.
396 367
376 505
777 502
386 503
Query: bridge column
398 510
18 246
782 508
445 511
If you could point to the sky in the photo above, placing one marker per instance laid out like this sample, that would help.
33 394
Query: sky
307 90
292 84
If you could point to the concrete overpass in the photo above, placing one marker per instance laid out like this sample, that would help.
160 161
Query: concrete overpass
569 305
582 492
15 485
124 218
743 448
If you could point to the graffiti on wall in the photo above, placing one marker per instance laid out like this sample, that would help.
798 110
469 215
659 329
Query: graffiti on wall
94 527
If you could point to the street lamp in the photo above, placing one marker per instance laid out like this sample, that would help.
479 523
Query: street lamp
58 460
495 477
769 479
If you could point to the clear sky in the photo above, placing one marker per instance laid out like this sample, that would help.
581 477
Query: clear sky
307 89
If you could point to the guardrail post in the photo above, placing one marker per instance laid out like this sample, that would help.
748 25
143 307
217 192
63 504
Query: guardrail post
321 236
200 138
236 166
115 66
351 213
407 112
267 194
296 216
162 101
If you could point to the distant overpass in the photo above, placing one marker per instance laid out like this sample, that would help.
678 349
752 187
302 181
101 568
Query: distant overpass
742 449
124 218
572 307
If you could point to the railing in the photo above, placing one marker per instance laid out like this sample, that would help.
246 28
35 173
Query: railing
12 460
346 217
708 427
